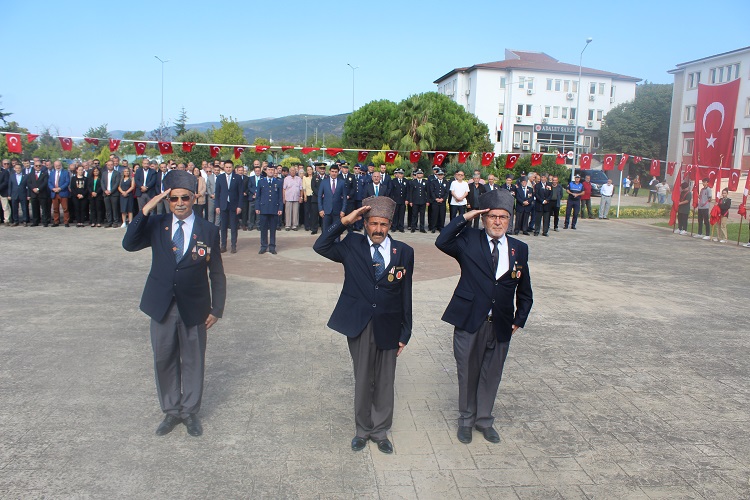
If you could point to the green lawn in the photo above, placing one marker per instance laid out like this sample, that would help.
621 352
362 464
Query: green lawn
733 229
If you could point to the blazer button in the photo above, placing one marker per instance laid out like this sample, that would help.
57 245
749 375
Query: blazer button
376 287
374 305
493 301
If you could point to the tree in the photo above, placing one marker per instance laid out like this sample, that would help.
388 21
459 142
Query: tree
161 133
179 125
28 149
99 132
290 161
455 128
412 128
229 132
4 115
198 154
368 127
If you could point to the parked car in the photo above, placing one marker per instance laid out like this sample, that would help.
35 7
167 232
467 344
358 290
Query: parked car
598 178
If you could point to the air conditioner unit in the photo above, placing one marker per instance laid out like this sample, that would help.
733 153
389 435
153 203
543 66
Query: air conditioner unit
592 97
526 147
467 91
611 100
518 118
545 120
602 122
529 91
589 124
569 96
516 145
571 122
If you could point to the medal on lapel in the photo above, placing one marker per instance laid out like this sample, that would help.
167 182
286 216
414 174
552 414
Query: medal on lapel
194 254
208 254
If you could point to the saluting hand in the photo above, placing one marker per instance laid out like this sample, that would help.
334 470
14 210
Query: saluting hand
354 216
155 201
474 214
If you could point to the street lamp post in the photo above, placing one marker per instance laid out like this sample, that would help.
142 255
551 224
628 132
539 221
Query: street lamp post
353 68
578 111
161 124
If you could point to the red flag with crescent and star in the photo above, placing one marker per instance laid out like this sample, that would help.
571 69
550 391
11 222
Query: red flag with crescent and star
31 137
286 148
14 143
334 151
114 145
414 156
463 156
487 158
742 210
305 151
439 158
214 150
585 161
238 150
140 148
66 143
187 147
637 159
609 162
362 156
92 141
670 167
560 160
714 123
655 168
676 193
261 148
536 159
734 179
623 162
510 160
165 148
390 156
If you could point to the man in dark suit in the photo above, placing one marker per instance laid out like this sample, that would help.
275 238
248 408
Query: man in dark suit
376 187
39 195
268 207
312 203
332 198
185 257
5 213
110 182
161 176
439 191
19 194
418 200
476 189
145 183
228 198
362 179
374 311
543 206
494 277
524 200
399 193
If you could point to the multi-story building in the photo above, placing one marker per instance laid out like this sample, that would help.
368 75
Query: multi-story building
529 100
719 68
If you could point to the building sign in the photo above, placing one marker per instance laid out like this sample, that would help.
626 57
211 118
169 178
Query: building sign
556 129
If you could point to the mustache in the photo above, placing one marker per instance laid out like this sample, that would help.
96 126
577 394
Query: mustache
378 234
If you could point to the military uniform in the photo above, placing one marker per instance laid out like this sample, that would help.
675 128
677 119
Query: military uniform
399 193
438 188
418 197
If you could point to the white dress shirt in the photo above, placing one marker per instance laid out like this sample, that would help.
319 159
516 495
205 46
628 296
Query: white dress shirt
187 230
385 250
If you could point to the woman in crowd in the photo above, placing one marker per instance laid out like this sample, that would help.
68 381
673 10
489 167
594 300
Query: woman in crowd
126 188
200 194
683 208
307 196
79 194
724 204
96 202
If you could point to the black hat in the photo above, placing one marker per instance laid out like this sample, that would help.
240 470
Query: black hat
362 168
523 178
435 167
418 171
440 172
497 199
509 177
371 164
181 179
398 171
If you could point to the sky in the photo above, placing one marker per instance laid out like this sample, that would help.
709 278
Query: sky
79 64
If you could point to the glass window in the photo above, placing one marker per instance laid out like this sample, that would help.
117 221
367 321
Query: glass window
516 137
612 91
501 108
746 150
599 115
556 112
687 147
586 141
572 113
689 113
747 107
596 142
502 82
519 110
591 115
557 85
566 86
712 75
526 137
592 88
530 83
521 81
601 88
574 83
564 113
528 110
736 71
546 111
549 83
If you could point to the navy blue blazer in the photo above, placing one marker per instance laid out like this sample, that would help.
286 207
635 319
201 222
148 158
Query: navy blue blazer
386 302
330 202
540 195
63 182
186 281
524 194
4 179
233 192
268 199
477 290
370 190
150 182
18 190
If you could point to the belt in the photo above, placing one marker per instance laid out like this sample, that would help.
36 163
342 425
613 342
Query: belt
606 196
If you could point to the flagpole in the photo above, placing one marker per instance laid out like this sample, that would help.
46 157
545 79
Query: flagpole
619 193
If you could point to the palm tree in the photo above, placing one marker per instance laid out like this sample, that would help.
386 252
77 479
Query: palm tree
413 129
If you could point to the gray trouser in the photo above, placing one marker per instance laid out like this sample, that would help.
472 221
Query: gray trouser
112 208
604 205
374 374
162 207
179 363
5 200
142 200
211 209
479 362
291 213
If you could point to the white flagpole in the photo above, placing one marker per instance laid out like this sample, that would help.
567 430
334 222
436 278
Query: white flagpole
619 193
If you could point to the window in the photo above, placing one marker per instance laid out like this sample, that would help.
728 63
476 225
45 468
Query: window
591 115
499 136
564 113
521 82
712 75
747 107
689 113
526 137
599 114
502 82
555 111
549 83
557 85
746 149
528 110
602 86
530 84
575 86
566 86
687 147
519 110
586 141
694 79
501 108
612 92
516 137
596 142
546 111
592 88
723 73
572 113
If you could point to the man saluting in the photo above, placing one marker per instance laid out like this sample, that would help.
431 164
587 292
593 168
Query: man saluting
494 275
182 305
373 311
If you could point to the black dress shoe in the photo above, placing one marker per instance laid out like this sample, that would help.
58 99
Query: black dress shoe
234 250
525 233
490 434
464 434
166 426
432 231
67 225
273 251
262 251
223 249
572 227
385 446
545 234
313 232
536 234
413 230
193 425
358 443
556 229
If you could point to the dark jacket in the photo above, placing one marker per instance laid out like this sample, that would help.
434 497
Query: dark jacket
150 182
330 202
418 192
438 189
79 186
228 198
542 195
18 190
524 194
475 191
370 190
91 188
386 302
399 191
39 183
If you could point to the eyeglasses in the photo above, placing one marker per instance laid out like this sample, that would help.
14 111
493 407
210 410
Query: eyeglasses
494 218
175 199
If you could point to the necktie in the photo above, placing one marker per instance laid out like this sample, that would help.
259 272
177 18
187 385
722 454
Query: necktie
495 256
333 182
179 240
378 262
377 189
57 178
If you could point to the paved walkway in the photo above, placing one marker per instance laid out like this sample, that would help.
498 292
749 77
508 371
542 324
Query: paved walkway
620 386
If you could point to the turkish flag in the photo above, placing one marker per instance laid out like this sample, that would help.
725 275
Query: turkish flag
637 159
95 142
114 145
305 151
670 167
215 150
187 147
238 150
286 148
31 137
414 156
362 156
655 168
14 143
714 123
710 173
676 193
609 162
560 160
439 157
487 158
66 143
742 211
510 160
734 179
390 156
140 148
333 151
536 159
260 148
165 148
463 155
623 162
585 161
